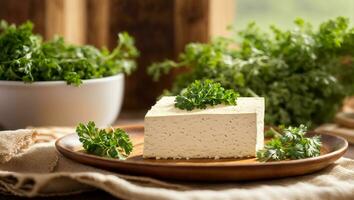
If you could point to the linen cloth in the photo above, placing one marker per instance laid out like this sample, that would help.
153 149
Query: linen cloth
42 171
14 142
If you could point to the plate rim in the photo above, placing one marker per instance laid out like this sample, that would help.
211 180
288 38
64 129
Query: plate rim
65 151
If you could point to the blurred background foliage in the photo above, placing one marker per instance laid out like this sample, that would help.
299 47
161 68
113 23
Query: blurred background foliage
283 12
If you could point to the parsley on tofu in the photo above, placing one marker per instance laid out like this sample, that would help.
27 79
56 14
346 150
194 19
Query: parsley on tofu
200 94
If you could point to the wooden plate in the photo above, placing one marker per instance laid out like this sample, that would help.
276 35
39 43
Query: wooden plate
345 119
335 129
203 169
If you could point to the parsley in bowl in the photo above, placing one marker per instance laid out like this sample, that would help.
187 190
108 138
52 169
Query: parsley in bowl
54 83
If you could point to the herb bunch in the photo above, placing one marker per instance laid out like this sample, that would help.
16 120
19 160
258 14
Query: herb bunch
112 144
200 94
303 73
25 57
291 144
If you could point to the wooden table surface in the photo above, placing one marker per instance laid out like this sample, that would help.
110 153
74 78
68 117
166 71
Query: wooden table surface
124 119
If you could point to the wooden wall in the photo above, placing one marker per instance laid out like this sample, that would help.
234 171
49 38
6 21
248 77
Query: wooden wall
161 29
51 17
21 11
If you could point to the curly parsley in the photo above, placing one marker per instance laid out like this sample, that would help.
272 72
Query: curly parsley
199 94
304 73
113 144
25 57
291 144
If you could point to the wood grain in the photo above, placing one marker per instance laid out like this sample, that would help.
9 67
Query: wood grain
97 22
161 28
151 24
75 21
50 17
222 14
55 18
20 11
335 129
191 22
345 119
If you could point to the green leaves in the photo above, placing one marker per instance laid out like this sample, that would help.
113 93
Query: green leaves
200 94
303 73
25 57
112 144
156 70
290 144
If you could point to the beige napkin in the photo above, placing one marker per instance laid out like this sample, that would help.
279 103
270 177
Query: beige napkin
41 171
14 142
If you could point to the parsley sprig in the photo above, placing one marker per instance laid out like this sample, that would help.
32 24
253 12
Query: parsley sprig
113 144
291 144
200 94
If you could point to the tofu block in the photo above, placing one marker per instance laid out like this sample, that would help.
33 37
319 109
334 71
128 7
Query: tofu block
220 131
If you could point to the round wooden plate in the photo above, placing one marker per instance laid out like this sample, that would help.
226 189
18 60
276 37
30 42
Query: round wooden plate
333 148
345 119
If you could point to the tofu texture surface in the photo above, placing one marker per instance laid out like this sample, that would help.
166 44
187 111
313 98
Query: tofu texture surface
220 131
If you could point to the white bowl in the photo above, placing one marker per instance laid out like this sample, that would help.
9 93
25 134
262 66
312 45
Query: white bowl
54 103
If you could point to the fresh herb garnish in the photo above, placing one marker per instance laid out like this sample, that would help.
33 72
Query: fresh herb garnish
273 132
25 57
113 144
291 144
200 94
303 73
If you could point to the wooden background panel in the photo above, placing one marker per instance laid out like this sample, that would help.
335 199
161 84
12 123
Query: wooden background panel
17 12
222 14
161 29
50 17
54 18
97 22
75 21
151 24
66 18
191 22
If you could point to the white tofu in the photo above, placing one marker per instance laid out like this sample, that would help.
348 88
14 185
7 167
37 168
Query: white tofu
216 132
